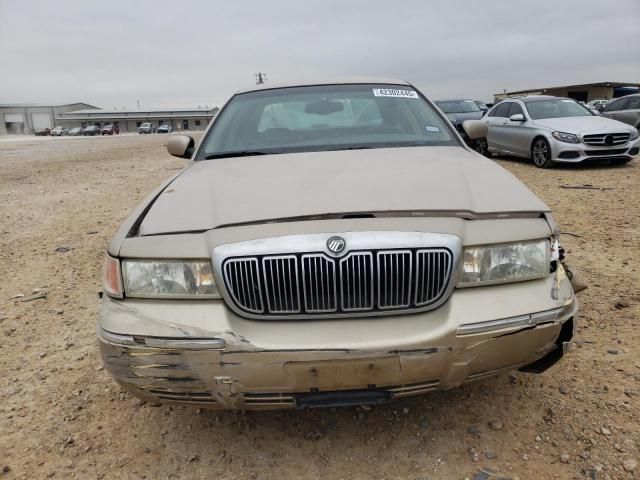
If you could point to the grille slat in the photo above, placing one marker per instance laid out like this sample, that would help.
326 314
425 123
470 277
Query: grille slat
394 279
433 269
249 296
356 282
281 282
360 282
318 273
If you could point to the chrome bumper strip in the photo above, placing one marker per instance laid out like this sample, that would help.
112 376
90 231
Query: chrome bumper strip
520 321
158 342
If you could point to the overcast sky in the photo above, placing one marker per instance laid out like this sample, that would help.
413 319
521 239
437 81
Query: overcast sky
189 53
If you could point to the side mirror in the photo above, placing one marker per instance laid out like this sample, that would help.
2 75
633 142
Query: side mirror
475 129
517 117
181 146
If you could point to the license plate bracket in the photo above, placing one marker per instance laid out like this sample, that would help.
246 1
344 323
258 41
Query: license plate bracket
346 398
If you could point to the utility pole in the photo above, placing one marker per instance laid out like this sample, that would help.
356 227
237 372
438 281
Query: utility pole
260 78
138 105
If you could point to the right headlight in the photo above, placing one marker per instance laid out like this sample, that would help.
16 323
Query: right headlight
504 263
634 134
168 279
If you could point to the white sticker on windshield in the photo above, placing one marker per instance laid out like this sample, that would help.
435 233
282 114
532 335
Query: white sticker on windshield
429 128
393 92
567 101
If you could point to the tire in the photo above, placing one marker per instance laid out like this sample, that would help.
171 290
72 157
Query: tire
541 153
482 147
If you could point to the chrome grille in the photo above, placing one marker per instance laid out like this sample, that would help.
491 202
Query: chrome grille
600 139
362 282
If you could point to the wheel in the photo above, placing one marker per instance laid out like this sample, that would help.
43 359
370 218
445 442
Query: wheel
541 153
482 147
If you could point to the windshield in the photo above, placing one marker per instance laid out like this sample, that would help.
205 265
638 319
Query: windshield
458 106
556 108
328 117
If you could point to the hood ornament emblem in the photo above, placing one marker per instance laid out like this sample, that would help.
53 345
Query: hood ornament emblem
336 245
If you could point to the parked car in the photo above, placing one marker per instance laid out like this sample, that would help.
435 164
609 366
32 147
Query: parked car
109 130
598 104
164 129
550 129
59 131
482 106
91 130
331 244
458 111
42 132
74 132
146 128
625 109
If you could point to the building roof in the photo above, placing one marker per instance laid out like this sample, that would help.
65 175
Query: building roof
145 111
137 114
598 84
44 105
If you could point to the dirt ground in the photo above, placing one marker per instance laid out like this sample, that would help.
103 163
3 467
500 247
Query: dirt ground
62 416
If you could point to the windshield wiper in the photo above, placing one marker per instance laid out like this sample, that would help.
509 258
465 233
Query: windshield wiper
241 153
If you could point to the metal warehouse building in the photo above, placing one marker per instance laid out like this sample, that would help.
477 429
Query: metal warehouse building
583 92
26 118
130 120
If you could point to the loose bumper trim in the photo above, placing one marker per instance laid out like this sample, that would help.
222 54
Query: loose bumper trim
157 342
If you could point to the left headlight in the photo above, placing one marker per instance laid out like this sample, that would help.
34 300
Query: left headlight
168 279
634 134
512 262
565 137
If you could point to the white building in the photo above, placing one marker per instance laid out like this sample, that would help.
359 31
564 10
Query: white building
26 118
130 120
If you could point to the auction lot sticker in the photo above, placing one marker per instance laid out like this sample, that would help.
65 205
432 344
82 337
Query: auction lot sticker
393 92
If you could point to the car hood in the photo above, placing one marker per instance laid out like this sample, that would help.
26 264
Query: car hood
231 191
582 124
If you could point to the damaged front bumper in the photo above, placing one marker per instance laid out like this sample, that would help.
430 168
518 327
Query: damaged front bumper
200 353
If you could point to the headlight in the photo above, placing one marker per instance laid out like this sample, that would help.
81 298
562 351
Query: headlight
565 137
168 279
513 262
634 134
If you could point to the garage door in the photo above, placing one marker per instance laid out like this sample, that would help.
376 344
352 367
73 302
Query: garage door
41 120
13 118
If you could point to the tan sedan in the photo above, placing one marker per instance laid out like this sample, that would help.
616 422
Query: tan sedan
331 244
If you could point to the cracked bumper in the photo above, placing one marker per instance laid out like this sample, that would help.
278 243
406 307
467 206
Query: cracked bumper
185 353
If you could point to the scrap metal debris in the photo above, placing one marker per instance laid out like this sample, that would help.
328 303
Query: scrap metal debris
37 296
586 186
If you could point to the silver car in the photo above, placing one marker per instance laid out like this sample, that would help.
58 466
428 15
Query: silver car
553 129
625 109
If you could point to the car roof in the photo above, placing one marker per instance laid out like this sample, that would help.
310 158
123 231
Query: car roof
533 98
313 83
